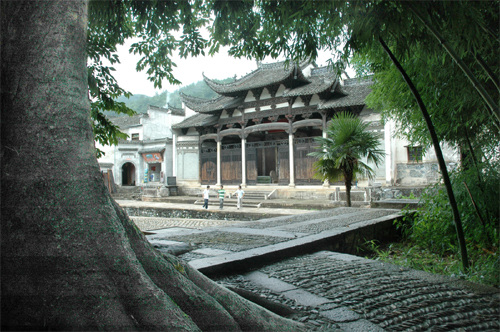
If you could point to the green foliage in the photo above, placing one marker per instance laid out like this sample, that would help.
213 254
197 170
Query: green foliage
483 269
433 225
341 153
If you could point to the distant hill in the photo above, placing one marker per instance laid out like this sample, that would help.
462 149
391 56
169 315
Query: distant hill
140 103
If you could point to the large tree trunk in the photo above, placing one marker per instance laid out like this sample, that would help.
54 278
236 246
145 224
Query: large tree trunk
71 259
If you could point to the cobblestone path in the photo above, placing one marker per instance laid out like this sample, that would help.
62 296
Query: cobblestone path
153 223
344 293
393 299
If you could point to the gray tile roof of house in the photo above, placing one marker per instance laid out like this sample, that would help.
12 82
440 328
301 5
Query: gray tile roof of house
175 110
319 84
127 121
197 120
264 75
210 105
356 91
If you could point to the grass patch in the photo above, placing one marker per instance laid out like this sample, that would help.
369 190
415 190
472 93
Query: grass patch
484 263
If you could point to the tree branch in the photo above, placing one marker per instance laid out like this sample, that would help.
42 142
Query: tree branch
493 107
439 155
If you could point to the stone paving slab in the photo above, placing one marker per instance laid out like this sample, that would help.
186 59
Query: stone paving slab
154 223
348 293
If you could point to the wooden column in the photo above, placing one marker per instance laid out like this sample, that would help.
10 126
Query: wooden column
219 175
290 151
243 151
326 183
292 165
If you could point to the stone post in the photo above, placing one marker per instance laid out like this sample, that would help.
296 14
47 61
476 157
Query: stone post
174 156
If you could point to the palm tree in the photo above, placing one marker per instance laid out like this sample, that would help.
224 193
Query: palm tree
341 152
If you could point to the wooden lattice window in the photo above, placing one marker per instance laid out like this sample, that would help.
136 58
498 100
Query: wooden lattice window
414 153
135 137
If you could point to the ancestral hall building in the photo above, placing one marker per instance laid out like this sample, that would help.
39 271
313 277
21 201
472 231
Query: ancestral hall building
262 126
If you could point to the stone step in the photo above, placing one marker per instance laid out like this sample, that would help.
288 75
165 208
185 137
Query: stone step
231 202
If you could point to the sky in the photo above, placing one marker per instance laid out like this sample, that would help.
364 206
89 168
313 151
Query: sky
187 71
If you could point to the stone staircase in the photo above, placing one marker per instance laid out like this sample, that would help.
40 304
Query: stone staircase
127 193
252 199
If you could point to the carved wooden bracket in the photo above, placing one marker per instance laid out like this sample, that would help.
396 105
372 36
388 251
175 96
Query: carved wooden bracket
273 118
256 93
273 89
257 120
306 99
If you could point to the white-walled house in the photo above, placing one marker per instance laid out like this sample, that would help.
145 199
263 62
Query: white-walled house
146 156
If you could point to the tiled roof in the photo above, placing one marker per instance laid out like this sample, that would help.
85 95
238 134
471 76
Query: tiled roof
175 110
319 83
170 108
264 75
356 91
127 121
197 120
210 105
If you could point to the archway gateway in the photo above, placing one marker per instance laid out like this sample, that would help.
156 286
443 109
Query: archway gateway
128 174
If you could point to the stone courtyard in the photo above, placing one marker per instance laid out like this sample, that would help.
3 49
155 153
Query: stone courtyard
301 266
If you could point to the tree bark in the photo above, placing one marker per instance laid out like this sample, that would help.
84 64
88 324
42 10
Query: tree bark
439 155
71 259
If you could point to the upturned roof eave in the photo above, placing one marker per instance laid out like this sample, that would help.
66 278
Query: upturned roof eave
238 87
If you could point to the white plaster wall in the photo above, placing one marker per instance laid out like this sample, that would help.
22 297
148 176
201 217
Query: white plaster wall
109 151
265 94
298 103
156 125
249 97
187 111
134 130
279 93
187 164
167 161
176 119
314 100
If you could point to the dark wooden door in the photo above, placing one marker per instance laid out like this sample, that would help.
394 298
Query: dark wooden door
251 160
208 166
304 164
283 165
231 164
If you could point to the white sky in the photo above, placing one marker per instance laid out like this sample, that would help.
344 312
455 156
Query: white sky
187 71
